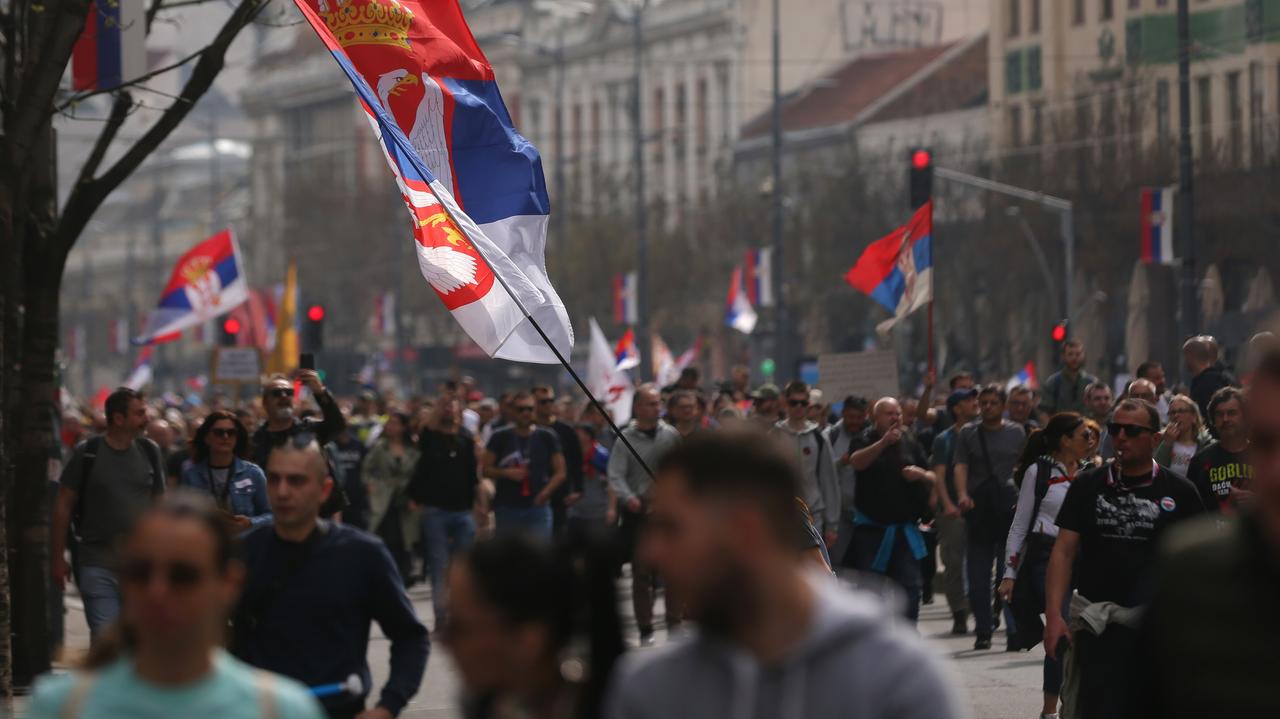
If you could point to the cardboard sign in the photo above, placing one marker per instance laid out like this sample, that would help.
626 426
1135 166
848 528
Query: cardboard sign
236 365
868 374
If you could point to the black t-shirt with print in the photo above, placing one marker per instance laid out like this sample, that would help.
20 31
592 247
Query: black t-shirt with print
1214 471
533 452
1119 524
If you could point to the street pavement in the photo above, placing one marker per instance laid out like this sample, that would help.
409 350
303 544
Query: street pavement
997 685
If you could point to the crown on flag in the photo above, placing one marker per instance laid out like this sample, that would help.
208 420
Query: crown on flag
372 23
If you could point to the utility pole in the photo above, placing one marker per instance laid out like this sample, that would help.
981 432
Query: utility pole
1189 314
642 240
782 331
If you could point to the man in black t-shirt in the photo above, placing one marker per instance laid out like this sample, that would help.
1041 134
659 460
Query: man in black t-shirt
527 466
1221 472
571 490
894 489
1110 520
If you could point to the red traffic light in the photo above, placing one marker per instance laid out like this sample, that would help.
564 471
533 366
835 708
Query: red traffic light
315 313
920 159
1060 332
231 326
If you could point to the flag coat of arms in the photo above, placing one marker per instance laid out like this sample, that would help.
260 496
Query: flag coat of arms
739 314
208 281
897 270
473 186
1156 241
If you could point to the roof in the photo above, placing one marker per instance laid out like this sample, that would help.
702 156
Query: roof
885 86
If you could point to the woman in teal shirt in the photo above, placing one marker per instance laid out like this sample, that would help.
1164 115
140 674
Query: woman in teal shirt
179 581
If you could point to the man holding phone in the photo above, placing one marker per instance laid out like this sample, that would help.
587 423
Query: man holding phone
282 422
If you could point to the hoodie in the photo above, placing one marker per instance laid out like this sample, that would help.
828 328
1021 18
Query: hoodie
855 661
819 487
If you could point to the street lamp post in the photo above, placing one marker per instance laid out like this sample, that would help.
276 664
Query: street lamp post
782 329
1187 279
642 239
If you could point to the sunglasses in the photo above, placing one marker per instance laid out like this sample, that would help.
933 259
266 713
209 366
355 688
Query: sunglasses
525 408
1115 429
547 400
798 402
178 575
279 392
222 432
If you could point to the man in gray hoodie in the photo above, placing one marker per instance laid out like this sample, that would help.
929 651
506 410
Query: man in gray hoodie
818 485
774 640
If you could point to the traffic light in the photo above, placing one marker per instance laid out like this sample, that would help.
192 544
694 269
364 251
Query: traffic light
230 329
313 332
920 178
1059 333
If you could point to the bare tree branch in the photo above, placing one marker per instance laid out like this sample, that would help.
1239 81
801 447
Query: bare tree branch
82 96
119 111
86 196
48 60
157 5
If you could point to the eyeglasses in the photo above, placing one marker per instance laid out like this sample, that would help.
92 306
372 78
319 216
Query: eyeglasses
222 432
279 392
178 575
1115 429
798 402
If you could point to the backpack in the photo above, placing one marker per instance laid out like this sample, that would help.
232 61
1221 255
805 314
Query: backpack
91 446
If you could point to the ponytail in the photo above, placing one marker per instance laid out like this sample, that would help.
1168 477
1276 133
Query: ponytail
1045 441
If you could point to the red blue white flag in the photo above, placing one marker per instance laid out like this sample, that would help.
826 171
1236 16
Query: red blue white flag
1156 240
112 48
625 308
384 313
208 281
1025 377
738 313
473 185
897 269
757 274
141 374
626 353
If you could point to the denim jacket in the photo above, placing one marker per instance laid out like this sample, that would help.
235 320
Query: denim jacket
247 493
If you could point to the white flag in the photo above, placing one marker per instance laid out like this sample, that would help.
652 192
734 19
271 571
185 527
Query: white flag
609 384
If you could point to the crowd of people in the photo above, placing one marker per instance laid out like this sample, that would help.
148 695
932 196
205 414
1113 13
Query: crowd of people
242 554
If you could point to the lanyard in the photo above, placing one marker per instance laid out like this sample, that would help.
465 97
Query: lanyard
1113 478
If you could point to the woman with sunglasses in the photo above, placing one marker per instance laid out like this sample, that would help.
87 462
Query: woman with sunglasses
218 468
179 580
1184 436
387 470
1050 460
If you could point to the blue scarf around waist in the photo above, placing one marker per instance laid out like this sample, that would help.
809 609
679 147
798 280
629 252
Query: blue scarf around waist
915 540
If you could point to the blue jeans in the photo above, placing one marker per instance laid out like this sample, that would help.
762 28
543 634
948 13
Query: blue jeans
101 594
444 533
535 521
984 557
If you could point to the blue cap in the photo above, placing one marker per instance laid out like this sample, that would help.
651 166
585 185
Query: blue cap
959 396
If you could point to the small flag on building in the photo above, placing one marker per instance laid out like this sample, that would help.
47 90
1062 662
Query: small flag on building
739 314
1155 245
626 310
112 49
897 269
757 270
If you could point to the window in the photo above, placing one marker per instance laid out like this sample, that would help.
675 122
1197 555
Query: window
1162 110
1033 25
1108 9
1235 115
1204 100
1015 126
1255 111
1033 68
595 129
1107 123
1013 72
700 119
1077 12
1015 21
1037 125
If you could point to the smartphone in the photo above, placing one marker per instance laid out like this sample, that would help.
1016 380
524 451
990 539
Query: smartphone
306 360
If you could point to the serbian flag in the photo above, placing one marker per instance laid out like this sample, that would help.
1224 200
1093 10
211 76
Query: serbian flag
626 311
112 48
897 269
739 314
1025 377
626 353
208 281
757 274
141 375
1156 240
473 186
118 335
384 313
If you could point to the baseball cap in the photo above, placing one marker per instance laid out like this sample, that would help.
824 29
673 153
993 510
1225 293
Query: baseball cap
959 396
766 391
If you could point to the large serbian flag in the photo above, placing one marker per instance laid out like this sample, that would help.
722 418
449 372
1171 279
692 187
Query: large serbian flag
112 48
897 270
473 185
1155 245
207 282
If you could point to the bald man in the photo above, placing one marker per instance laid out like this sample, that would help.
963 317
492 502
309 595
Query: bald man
893 492
314 588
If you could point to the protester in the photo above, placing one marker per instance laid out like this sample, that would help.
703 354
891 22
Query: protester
570 491
1142 389
1048 464
818 485
1098 404
1064 391
764 406
277 402
682 411
1108 526
445 488
986 455
179 579
596 509
106 485
1021 406
1208 638
526 464
853 420
314 587
953 539
348 454
386 472
535 629
894 490
774 640
1221 472
1208 374
1153 372
218 469
1184 437
632 482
